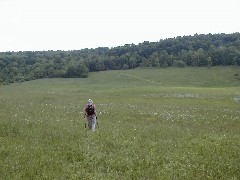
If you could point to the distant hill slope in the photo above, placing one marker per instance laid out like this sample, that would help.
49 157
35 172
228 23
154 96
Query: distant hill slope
219 76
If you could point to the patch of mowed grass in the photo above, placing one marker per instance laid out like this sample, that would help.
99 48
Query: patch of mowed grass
190 76
149 128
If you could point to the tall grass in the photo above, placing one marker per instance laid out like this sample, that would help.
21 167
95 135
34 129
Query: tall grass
153 124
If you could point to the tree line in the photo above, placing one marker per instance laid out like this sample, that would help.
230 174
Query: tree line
197 50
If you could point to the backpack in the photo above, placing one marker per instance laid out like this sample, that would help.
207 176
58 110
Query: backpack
90 110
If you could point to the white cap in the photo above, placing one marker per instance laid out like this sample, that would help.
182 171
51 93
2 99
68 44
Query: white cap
90 102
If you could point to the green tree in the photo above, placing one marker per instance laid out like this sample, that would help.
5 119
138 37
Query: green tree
125 66
145 63
79 70
164 58
200 58
209 61
82 70
179 63
154 59
132 62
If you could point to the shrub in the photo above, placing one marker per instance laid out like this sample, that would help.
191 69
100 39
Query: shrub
180 64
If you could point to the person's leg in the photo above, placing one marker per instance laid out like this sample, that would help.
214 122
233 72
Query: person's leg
94 122
89 121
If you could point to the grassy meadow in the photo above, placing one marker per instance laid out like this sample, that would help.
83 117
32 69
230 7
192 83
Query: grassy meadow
172 123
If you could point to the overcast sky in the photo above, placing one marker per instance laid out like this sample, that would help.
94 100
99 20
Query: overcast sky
76 24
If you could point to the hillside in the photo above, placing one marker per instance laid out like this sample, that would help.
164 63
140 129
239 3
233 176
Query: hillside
195 51
219 76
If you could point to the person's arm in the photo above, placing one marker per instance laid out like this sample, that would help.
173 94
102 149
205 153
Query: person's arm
95 111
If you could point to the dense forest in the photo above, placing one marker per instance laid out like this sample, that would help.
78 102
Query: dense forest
198 50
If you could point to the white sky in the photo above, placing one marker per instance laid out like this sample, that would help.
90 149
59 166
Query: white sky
76 24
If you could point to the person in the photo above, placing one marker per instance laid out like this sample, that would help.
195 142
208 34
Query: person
90 113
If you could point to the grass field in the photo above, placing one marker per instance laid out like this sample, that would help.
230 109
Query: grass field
168 123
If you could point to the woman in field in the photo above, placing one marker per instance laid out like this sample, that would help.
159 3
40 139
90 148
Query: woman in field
90 114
